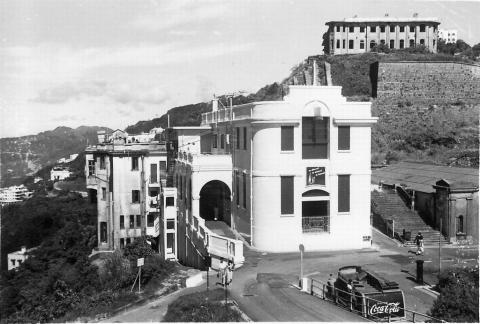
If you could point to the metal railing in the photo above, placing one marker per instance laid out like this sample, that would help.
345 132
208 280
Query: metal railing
357 304
316 224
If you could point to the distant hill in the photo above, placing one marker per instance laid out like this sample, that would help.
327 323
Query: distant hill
23 156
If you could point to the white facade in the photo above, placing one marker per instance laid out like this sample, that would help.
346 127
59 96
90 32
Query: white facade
448 35
15 259
284 189
58 174
125 179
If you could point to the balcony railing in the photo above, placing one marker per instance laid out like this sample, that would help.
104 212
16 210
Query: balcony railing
316 224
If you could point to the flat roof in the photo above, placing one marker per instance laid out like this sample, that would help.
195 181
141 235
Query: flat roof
385 20
422 176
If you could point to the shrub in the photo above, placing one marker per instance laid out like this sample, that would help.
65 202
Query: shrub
139 248
156 267
458 300
196 308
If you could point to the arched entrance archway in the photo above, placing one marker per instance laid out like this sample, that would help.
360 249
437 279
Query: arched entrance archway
215 202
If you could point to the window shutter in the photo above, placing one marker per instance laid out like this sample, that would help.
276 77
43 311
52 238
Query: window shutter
286 195
343 193
343 137
287 138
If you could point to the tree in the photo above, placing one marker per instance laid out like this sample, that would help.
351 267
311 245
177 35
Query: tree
326 42
458 300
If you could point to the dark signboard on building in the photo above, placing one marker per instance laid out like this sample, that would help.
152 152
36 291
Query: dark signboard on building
315 176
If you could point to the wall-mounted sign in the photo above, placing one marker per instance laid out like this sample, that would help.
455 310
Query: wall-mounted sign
315 176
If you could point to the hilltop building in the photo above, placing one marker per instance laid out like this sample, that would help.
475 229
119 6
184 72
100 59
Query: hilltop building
15 259
448 35
359 35
14 194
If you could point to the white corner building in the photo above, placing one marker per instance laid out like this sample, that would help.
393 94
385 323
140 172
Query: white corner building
279 173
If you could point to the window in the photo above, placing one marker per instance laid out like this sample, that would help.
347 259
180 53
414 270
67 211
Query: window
460 227
412 29
244 191
150 220
422 28
433 43
135 196
382 41
338 43
343 43
153 173
350 44
350 29
104 193
91 167
13 262
344 28
392 29
102 162
139 221
131 224
286 185
237 130
373 29
315 137
362 44
169 201
412 43
215 139
343 137
170 224
244 138
392 43
362 29
122 222
103 232
422 42
338 28
372 44
134 163
402 43
382 29
128 240
286 138
402 29
122 243
343 193
19 262
222 141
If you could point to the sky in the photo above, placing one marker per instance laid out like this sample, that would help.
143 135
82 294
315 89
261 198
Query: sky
115 62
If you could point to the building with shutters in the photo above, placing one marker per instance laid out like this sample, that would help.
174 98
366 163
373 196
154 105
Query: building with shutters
125 177
359 35
280 173
448 35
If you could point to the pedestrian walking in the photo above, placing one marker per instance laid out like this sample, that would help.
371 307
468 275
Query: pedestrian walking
419 242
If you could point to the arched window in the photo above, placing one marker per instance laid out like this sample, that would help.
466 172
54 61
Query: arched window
422 42
402 43
412 43
372 44
362 44
392 43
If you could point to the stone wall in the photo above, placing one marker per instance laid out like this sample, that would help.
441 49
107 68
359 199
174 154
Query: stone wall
426 82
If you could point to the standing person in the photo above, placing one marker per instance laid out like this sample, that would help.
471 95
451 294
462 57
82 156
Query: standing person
222 271
229 272
419 242
330 285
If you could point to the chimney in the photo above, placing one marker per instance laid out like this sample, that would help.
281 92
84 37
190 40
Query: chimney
214 104
101 136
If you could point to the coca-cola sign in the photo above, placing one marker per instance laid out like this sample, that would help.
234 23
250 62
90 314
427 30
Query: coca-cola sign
385 304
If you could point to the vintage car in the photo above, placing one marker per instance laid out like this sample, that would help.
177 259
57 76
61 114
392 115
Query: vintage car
369 294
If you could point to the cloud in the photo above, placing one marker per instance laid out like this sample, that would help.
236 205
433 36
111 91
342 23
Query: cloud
179 13
117 93
205 88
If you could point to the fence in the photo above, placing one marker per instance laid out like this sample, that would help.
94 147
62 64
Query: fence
358 304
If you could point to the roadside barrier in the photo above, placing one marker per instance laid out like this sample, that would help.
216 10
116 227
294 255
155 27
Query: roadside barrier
358 304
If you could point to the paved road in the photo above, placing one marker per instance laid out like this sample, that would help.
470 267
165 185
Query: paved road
264 290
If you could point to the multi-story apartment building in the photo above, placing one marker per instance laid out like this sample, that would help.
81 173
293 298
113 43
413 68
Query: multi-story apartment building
359 35
14 194
125 176
448 35
281 173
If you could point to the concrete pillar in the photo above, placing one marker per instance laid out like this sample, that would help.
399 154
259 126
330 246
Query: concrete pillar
196 205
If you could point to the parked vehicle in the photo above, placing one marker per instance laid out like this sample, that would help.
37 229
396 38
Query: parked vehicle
369 294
